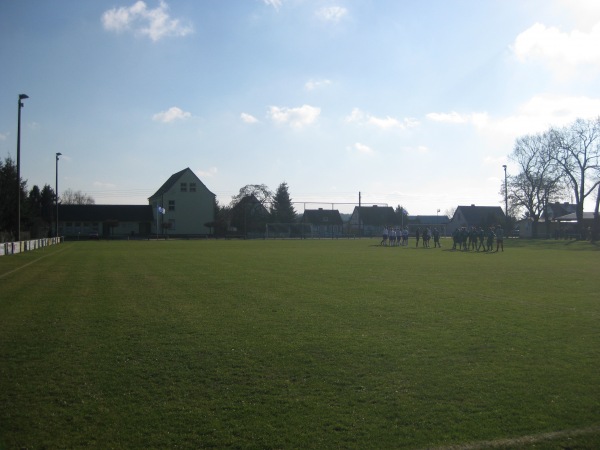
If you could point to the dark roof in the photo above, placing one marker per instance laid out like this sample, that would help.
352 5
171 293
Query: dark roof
254 204
476 215
322 216
102 213
557 209
573 217
377 215
429 220
172 180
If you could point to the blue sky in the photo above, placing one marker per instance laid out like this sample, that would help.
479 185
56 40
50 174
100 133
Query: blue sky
411 103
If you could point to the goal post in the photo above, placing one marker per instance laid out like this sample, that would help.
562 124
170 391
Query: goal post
287 230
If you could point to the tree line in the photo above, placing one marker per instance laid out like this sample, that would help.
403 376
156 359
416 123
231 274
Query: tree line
555 164
253 207
38 206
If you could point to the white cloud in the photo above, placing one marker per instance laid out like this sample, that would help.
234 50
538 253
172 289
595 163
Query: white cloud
558 48
274 3
211 172
295 117
585 12
535 115
153 23
546 110
170 115
311 85
104 185
332 13
355 116
362 148
385 123
477 119
452 117
3 136
248 118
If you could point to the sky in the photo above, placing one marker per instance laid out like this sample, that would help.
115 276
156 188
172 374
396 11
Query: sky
409 103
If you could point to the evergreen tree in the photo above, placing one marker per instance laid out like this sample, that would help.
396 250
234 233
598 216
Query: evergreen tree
282 210
40 211
8 197
402 215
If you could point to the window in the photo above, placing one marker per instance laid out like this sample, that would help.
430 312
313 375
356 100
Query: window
171 205
183 187
172 224
192 187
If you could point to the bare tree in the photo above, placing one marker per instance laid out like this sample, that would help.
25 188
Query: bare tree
450 212
538 181
71 197
260 191
576 153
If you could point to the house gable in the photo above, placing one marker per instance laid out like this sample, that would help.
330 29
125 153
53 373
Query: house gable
173 184
322 217
476 216
374 216
187 202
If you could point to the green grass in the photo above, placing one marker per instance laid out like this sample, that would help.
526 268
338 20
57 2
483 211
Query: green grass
299 344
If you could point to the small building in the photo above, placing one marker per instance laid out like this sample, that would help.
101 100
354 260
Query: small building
557 209
248 218
323 222
557 223
189 207
104 221
568 227
431 222
476 216
370 220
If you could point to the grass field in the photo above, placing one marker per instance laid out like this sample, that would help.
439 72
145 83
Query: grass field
300 345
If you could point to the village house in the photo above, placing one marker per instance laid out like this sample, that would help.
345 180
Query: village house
476 216
182 206
323 222
104 221
431 222
370 220
189 207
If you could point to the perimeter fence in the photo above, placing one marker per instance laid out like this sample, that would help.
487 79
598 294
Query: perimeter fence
13 248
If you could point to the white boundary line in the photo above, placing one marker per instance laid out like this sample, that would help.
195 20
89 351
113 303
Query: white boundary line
523 440
4 275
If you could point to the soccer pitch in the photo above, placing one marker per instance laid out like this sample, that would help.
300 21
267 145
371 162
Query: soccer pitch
300 344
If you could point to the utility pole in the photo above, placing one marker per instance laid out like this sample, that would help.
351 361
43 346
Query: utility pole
358 214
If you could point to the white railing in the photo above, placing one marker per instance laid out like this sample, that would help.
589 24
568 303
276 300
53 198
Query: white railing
12 248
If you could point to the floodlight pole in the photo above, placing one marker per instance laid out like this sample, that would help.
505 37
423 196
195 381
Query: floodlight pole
21 97
56 188
505 195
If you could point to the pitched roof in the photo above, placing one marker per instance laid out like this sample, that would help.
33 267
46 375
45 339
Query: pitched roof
102 213
557 209
476 215
573 217
376 215
167 185
429 220
322 216
256 207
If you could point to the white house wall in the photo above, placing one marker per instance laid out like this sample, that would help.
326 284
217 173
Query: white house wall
192 209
